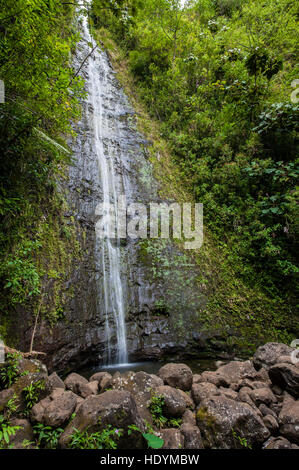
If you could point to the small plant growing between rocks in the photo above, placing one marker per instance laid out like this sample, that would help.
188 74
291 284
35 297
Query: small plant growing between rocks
241 440
105 439
175 422
31 394
11 406
10 371
6 430
47 437
155 407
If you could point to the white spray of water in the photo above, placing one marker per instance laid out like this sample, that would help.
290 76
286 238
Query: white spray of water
99 90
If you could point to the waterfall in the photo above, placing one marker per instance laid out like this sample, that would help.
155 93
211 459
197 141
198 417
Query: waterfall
104 133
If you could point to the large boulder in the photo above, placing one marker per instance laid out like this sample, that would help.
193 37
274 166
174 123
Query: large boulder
286 376
53 381
177 375
265 410
276 443
244 396
223 422
174 403
94 387
173 438
271 423
188 400
203 390
38 410
189 418
116 408
99 375
289 421
213 377
192 437
56 409
141 385
235 371
104 380
267 355
5 396
78 385
262 395
228 393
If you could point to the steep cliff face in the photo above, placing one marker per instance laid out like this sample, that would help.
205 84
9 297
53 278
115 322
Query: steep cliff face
153 315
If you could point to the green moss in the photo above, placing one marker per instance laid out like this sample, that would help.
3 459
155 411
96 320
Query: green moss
52 261
204 419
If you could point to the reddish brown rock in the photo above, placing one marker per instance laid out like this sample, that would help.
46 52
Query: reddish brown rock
78 385
218 416
289 421
116 408
192 437
174 403
173 439
177 375
203 390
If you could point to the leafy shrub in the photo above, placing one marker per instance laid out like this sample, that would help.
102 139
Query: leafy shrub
20 273
6 430
31 394
260 61
47 436
227 7
10 371
156 409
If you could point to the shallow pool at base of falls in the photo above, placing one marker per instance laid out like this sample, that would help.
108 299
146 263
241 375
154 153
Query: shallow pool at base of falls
150 367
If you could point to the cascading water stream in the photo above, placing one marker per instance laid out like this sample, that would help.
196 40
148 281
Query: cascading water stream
99 92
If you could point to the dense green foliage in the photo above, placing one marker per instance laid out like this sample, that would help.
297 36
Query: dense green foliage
105 439
217 75
6 431
9 372
37 38
31 394
47 436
